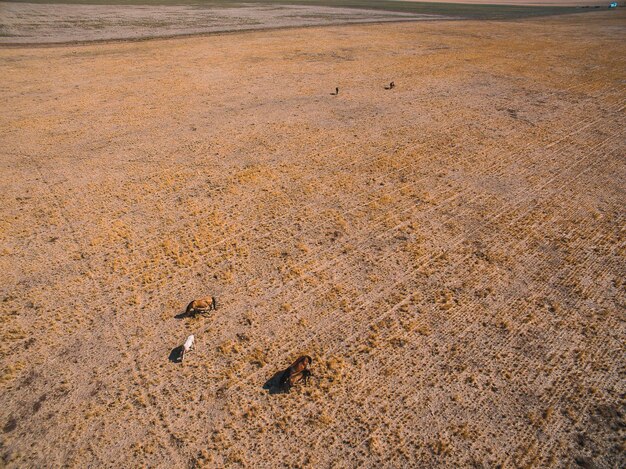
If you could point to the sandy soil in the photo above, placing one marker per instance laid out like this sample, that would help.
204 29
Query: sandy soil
30 23
449 252
555 3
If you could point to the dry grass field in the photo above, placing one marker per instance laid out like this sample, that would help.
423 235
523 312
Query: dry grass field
450 252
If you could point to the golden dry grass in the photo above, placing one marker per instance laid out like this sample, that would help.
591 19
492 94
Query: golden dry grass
450 253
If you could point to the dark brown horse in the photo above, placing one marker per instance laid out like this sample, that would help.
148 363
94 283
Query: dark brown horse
297 371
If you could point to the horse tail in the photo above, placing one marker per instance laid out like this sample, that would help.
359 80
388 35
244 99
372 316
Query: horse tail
214 303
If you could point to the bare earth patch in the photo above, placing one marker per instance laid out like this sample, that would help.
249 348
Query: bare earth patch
31 23
561 3
450 252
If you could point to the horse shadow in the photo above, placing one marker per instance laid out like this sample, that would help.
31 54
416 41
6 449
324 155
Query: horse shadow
273 384
192 315
176 354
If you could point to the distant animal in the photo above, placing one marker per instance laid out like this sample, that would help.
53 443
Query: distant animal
336 91
391 86
187 347
296 372
201 305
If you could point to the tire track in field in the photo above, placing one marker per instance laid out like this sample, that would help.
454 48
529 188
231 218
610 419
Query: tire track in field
54 361
433 280
234 236
263 299
399 282
506 248
589 254
498 342
395 364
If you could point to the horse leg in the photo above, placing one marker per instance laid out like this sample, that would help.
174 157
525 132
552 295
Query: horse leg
283 382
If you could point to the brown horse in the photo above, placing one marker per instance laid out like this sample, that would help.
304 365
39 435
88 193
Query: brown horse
297 371
202 305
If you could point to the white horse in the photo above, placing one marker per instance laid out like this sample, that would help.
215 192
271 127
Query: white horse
187 347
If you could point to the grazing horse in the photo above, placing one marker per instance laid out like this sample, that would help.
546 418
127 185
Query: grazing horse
202 305
187 347
297 371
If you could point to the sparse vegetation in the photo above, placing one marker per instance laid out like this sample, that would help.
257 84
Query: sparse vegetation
448 252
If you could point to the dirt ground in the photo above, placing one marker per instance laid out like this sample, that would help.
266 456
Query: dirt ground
31 23
522 2
450 252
